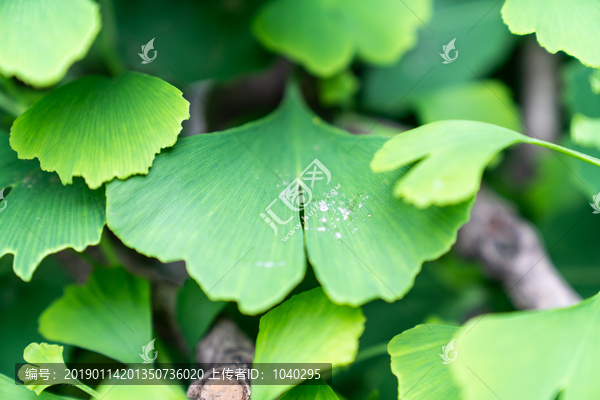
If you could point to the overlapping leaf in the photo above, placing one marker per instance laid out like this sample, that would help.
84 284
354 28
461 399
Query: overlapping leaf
314 392
101 128
439 176
554 351
202 202
40 215
568 26
417 364
324 36
41 39
308 328
109 315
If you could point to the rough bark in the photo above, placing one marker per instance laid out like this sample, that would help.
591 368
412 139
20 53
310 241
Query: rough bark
511 251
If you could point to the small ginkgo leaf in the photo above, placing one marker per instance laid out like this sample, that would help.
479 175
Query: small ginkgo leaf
212 191
324 36
8 390
41 39
422 375
585 131
555 351
450 158
101 128
40 216
109 315
310 392
308 328
570 26
50 358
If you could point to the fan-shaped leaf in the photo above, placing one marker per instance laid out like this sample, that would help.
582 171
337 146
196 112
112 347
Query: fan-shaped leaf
308 328
209 192
440 177
109 315
325 35
417 364
554 351
101 128
41 39
41 216
568 26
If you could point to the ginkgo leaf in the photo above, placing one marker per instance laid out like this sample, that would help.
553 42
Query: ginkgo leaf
554 351
440 177
313 392
109 315
49 357
308 328
40 216
101 128
482 41
485 101
8 390
324 36
41 39
212 191
585 131
568 26
417 364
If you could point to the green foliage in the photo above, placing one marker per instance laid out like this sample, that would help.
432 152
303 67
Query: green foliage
109 315
140 392
42 215
568 26
476 25
485 101
325 36
308 328
8 390
195 312
417 364
551 351
215 183
101 128
41 39
41 353
585 131
315 392
439 177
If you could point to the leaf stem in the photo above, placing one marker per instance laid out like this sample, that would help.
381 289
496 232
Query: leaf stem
564 150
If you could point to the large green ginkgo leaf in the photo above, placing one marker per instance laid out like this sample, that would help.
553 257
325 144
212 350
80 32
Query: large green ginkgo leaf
41 39
101 128
422 374
439 176
554 351
308 328
325 35
40 216
109 315
214 201
570 26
